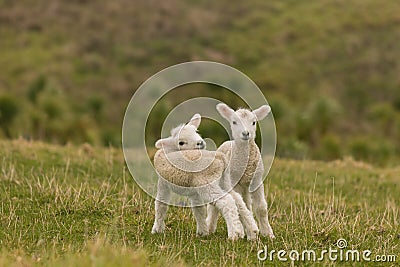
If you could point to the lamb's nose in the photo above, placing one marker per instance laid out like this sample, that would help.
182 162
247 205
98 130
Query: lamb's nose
245 133
201 144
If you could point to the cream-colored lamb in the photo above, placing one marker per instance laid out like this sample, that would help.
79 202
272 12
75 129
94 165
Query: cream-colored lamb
197 174
246 167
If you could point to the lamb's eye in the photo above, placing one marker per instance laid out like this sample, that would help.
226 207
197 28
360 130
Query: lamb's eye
254 123
234 122
181 143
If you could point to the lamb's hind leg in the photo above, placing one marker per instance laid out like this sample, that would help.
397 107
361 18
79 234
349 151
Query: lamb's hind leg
246 217
163 195
200 214
212 211
260 208
212 218
227 206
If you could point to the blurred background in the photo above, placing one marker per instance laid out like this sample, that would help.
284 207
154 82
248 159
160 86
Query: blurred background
330 69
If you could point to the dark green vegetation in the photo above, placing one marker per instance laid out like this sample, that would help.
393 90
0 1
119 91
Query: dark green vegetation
78 206
330 69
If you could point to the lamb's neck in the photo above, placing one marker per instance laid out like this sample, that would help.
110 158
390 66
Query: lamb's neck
244 144
169 150
242 148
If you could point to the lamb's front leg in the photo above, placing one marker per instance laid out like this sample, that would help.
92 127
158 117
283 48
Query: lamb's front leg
160 213
163 195
200 214
246 217
247 199
260 208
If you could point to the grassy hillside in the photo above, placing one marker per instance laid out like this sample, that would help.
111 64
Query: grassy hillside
329 68
78 205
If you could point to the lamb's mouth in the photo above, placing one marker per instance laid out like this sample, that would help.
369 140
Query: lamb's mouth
203 146
245 138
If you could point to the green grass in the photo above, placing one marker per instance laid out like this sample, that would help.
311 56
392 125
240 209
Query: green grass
79 206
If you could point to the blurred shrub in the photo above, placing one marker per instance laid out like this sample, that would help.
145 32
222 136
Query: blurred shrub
37 119
280 107
81 129
95 106
383 115
356 99
49 116
383 152
111 137
396 103
304 127
155 121
8 112
52 108
330 148
292 148
397 132
36 88
320 116
360 148
213 130
372 149
324 112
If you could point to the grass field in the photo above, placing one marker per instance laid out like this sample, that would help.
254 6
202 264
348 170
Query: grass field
78 206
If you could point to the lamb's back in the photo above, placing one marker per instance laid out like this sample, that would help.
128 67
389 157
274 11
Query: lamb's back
194 168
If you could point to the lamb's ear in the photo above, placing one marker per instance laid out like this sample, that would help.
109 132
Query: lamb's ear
195 120
225 111
262 112
165 142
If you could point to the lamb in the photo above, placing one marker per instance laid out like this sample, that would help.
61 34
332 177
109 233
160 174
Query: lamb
187 170
246 166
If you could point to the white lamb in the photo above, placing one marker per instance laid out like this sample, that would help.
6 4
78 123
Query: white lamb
196 174
246 166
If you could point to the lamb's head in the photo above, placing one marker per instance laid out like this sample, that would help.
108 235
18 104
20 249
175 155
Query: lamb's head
243 121
183 137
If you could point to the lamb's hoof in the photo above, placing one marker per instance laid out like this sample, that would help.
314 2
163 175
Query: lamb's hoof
272 236
202 233
212 228
235 235
241 231
268 233
252 235
157 229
